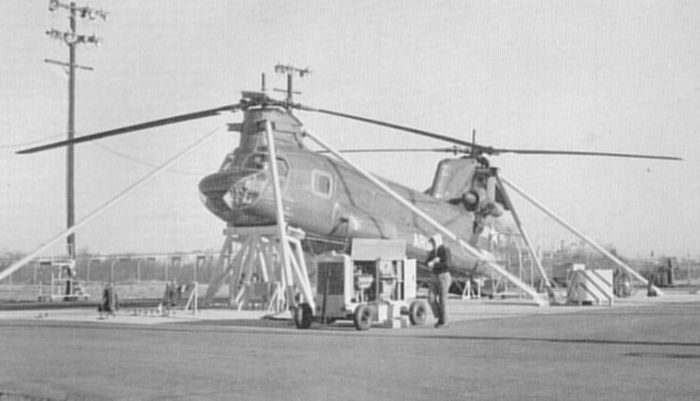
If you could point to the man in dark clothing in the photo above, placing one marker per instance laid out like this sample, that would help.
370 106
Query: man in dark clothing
439 261
110 301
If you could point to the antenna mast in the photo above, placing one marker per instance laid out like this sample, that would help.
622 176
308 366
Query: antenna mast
71 38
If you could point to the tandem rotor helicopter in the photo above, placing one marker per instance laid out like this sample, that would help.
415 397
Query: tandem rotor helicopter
333 201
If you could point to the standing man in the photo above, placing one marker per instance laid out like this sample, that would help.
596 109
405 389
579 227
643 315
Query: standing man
439 261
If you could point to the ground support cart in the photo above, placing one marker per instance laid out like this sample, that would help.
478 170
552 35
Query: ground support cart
366 291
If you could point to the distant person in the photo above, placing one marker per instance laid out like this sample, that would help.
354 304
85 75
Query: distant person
109 303
70 274
439 261
170 296
651 290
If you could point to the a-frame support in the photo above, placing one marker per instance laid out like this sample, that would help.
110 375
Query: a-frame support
255 273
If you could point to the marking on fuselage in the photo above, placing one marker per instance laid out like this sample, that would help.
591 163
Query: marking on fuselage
420 241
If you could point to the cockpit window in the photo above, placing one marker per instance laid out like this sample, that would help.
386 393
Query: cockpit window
227 163
254 162
261 161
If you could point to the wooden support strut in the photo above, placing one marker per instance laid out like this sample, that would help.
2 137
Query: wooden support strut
225 264
580 235
290 270
279 211
96 212
526 239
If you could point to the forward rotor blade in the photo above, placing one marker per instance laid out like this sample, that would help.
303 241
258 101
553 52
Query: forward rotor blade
136 127
489 150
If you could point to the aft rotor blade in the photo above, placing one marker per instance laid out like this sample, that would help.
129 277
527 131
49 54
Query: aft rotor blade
489 150
484 149
136 127
582 153
454 150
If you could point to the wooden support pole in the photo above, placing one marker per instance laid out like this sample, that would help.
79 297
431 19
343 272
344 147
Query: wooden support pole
526 239
101 209
281 225
579 234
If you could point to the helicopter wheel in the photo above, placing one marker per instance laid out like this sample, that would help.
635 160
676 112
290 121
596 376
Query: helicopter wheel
362 317
417 313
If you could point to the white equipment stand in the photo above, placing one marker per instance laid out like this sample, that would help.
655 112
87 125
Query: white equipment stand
64 283
255 274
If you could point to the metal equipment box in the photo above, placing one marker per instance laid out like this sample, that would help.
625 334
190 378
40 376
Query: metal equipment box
347 287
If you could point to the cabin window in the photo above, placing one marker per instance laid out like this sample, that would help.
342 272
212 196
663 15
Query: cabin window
322 183
282 167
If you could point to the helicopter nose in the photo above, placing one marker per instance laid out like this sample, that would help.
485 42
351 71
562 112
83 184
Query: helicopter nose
211 191
216 184
232 191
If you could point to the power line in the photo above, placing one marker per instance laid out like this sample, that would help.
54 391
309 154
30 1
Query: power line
125 156
145 163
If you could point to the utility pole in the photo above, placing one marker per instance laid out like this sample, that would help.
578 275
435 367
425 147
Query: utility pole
289 70
72 39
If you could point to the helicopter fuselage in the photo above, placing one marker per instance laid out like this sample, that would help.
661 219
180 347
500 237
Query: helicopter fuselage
325 197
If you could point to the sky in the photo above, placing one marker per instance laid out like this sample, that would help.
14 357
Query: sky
587 75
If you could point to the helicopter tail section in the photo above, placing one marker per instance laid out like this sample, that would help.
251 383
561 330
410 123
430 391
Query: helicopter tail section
453 178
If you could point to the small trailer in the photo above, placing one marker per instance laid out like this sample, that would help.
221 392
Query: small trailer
376 283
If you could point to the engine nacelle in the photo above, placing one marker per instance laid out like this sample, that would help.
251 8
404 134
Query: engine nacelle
471 200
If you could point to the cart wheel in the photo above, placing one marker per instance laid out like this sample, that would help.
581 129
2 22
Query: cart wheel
417 313
362 317
302 316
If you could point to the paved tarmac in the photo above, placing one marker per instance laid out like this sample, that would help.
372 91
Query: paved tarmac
640 349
